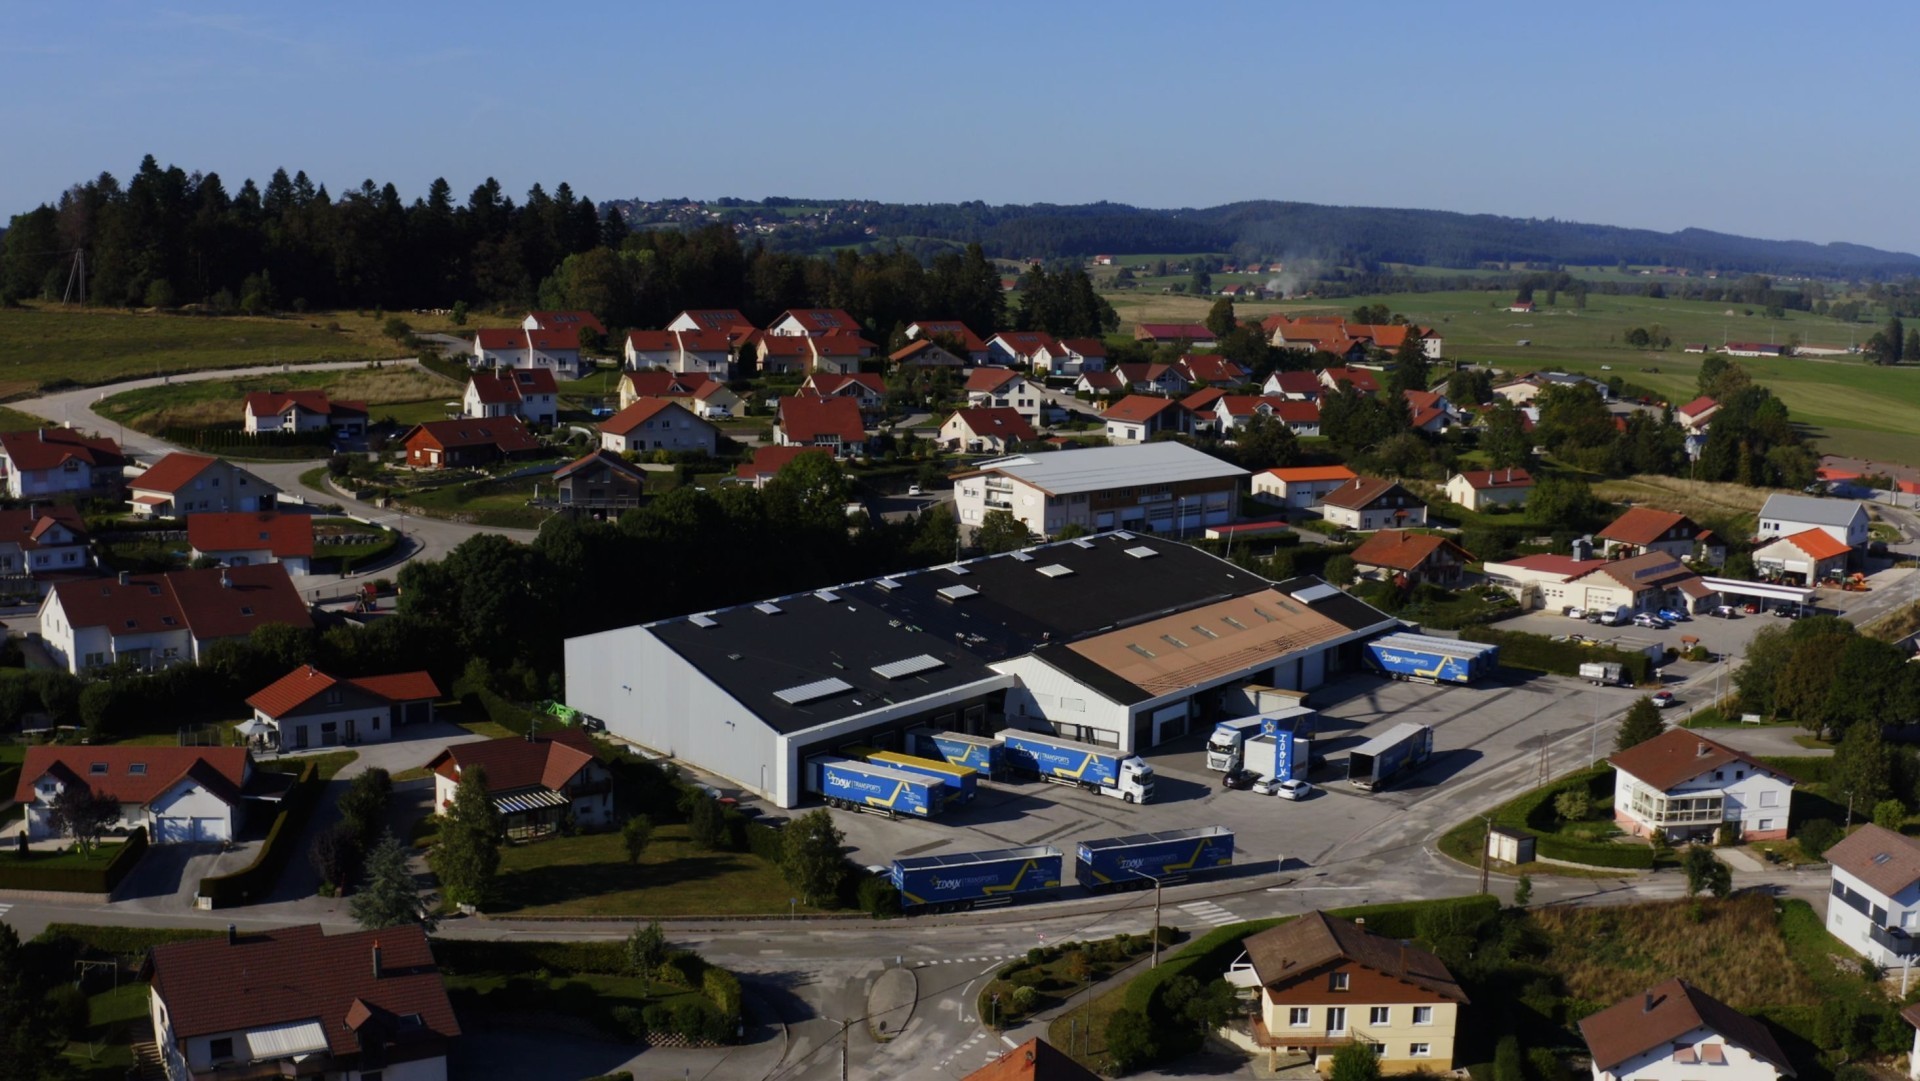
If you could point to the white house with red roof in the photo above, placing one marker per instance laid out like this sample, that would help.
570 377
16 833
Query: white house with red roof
177 794
1003 388
1299 485
1358 378
787 354
1368 503
769 461
1212 369
972 347
244 538
47 462
1648 529
1478 489
309 708
730 320
1137 418
1299 385
683 351
1011 347
528 393
573 320
926 353
1427 410
1406 558
867 389
1685 785
269 411
1810 556
1102 384
154 620
1521 307
660 383
37 541
1070 357
1697 415
832 424
1232 411
813 323
652 424
1539 581
182 484
989 430
557 351
534 781
1154 379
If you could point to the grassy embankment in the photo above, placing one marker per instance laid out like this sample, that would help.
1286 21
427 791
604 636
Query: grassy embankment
404 393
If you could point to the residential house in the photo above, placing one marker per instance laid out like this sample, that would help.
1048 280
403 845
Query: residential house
1697 415
813 323
243 538
298 1002
1210 369
1687 785
683 352
925 353
270 411
181 484
1518 391
1639 530
1521 307
1369 503
1677 1030
1299 386
1192 335
727 319
654 424
534 781
1323 982
1874 902
1428 411
46 462
659 383
795 353
985 429
1409 559
970 347
1299 486
309 708
1154 379
1162 487
450 444
867 389
1389 337
1004 388
832 424
1100 384
527 393
600 479
1137 418
1200 405
1479 489
1233 410
1644 583
1071 356
1010 348
1808 557
1843 519
177 794
1035 1060
575 321
769 461
1540 581
1359 379
40 541
557 351
154 620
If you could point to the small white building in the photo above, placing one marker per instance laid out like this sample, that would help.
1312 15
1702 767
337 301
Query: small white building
239 539
651 424
176 793
1845 520
1874 903
180 485
1003 388
1478 489
1809 557
557 351
1163 487
1676 1032
309 708
534 782
1686 785
48 462
39 540
527 393
1368 503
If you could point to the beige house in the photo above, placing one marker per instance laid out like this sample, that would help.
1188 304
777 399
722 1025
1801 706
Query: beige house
1368 503
1482 488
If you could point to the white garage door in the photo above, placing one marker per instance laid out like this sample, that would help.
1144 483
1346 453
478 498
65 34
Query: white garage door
174 831
209 829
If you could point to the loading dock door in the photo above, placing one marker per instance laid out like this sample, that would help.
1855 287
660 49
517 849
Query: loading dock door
1169 722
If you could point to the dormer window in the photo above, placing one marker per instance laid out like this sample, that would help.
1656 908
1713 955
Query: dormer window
1337 982
97 769
137 769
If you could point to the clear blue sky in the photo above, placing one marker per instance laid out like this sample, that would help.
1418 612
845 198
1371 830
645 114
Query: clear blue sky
1766 119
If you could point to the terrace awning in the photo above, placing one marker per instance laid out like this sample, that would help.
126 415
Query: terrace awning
531 799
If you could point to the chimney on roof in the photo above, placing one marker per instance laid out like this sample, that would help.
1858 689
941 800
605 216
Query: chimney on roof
225 582
233 935
1647 1006
376 958
124 577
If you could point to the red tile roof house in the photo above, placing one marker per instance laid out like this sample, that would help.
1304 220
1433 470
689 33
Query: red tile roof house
534 781
1214 370
730 320
268 411
1301 386
575 321
1100 384
926 353
1020 347
153 620
790 353
177 793
985 430
1644 529
1477 489
1234 410
831 424
1191 334
1358 378
1685 784
1070 356
60 461
1697 415
867 389
38 541
1428 411
528 393
663 384
238 539
446 444
1154 378
1137 418
1677 1030
557 351
297 1002
652 424
308 708
182 484
769 461
1004 388
1408 559
973 349
1369 503
813 322
683 351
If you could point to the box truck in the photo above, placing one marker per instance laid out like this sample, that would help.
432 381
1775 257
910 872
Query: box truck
1604 673
964 880
862 786
1064 761
1399 749
1226 747
1139 860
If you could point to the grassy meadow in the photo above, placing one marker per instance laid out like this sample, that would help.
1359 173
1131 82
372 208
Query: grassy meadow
208 402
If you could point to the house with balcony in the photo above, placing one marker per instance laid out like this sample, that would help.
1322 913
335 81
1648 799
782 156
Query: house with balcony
527 393
309 708
177 794
534 781
1874 899
1685 785
40 541
1003 388
600 480
155 620
269 411
1676 1030
557 351
1369 503
1640 530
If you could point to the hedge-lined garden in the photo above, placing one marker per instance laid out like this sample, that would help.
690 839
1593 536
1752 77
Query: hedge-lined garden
684 997
1537 813
70 872
256 880
1521 650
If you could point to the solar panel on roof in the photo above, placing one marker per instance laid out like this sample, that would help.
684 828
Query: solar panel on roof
1142 552
813 692
925 662
955 593
767 608
1055 570
703 621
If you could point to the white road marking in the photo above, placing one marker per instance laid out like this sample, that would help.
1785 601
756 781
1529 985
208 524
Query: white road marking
1209 913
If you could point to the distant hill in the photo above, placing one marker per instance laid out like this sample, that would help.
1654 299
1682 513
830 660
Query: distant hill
1350 236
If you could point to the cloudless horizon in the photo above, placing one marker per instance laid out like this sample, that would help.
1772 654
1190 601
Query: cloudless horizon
1762 119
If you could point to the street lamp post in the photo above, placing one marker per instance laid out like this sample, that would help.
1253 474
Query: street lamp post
1155 879
1486 842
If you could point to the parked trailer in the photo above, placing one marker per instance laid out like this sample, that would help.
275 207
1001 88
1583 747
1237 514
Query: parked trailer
1605 673
964 880
1432 660
960 781
1139 860
1400 748
862 786
980 753
1064 761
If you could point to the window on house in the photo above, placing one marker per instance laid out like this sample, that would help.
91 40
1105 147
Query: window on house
1423 1015
1299 1016
1337 982
1336 1020
1380 1015
221 1049
1419 1050
1379 1050
137 769
1765 824
1769 799
98 769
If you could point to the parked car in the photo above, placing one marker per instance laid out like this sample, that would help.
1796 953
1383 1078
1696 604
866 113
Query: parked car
1664 699
1238 779
914 489
1595 616
1648 619
1726 611
1751 608
1786 611
1294 790
1674 615
1611 619
1576 613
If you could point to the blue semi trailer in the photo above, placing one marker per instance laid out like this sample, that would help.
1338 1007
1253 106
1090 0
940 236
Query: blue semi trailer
1064 761
976 879
1432 660
961 782
980 753
862 786
1139 860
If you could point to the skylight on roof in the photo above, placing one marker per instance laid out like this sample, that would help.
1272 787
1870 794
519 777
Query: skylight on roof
1142 552
958 569
1023 557
1172 641
956 593
827 595
888 584
1123 534
925 662
1882 857
767 608
813 692
1315 593
1234 623
1204 632
703 621
1055 570
1082 542
1142 650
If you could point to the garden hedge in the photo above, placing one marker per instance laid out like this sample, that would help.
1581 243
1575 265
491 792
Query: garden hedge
1541 654
469 956
1533 813
25 876
257 879
127 942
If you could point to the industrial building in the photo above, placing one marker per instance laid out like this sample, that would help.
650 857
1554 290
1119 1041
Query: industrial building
1165 487
1119 639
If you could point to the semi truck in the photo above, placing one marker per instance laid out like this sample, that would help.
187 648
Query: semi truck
1141 859
959 780
863 786
1393 752
1605 673
1064 761
1426 659
981 753
1226 748
963 880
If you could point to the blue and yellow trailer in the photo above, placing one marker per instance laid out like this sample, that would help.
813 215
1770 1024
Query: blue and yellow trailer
862 786
1139 860
961 782
963 880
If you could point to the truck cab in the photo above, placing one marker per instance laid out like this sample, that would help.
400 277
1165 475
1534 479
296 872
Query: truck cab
1135 783
1226 748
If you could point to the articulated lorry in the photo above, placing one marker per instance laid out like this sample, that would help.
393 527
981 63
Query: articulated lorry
1399 749
960 781
863 786
1064 761
963 880
1226 748
1426 659
981 753
1139 860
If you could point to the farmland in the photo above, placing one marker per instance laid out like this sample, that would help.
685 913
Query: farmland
386 390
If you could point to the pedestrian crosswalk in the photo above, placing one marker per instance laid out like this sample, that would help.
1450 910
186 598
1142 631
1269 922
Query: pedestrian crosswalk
964 960
4 909
1209 913
971 1042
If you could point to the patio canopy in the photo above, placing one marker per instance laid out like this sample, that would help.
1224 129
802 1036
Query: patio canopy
529 799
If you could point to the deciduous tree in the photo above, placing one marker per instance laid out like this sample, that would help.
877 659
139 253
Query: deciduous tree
82 814
811 857
29 1041
467 855
1357 1062
634 835
1000 531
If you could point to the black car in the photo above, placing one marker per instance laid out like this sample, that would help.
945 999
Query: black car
1241 779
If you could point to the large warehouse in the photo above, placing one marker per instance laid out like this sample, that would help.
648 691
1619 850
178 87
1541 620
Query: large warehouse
1120 639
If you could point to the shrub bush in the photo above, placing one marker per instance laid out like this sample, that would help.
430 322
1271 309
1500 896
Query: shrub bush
877 897
462 955
722 988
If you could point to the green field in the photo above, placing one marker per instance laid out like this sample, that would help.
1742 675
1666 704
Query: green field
588 875
388 390
499 503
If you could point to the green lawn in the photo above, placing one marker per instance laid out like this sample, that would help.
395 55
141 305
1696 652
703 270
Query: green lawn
330 763
13 420
486 502
593 996
116 1019
588 875
103 854
387 390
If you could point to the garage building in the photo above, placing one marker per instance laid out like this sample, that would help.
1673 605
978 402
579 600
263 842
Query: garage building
179 794
1119 639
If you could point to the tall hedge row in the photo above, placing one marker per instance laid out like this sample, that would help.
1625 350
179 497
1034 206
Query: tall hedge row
257 879
26 875
1541 654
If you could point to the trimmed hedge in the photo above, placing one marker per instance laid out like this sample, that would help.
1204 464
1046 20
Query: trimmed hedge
254 881
1521 650
468 956
123 941
25 876
1812 769
1533 813
715 1020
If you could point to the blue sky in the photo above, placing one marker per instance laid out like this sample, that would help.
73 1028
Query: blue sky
1765 119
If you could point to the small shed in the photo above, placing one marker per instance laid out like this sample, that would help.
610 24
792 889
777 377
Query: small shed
1510 845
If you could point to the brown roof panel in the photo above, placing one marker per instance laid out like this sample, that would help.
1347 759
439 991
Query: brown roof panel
1301 946
1879 857
1667 1013
1678 755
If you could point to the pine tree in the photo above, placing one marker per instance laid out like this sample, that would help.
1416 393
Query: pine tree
468 854
388 896
1641 724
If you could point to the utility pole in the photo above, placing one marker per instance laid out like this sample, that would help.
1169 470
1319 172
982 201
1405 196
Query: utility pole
843 1049
1156 923
1486 843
